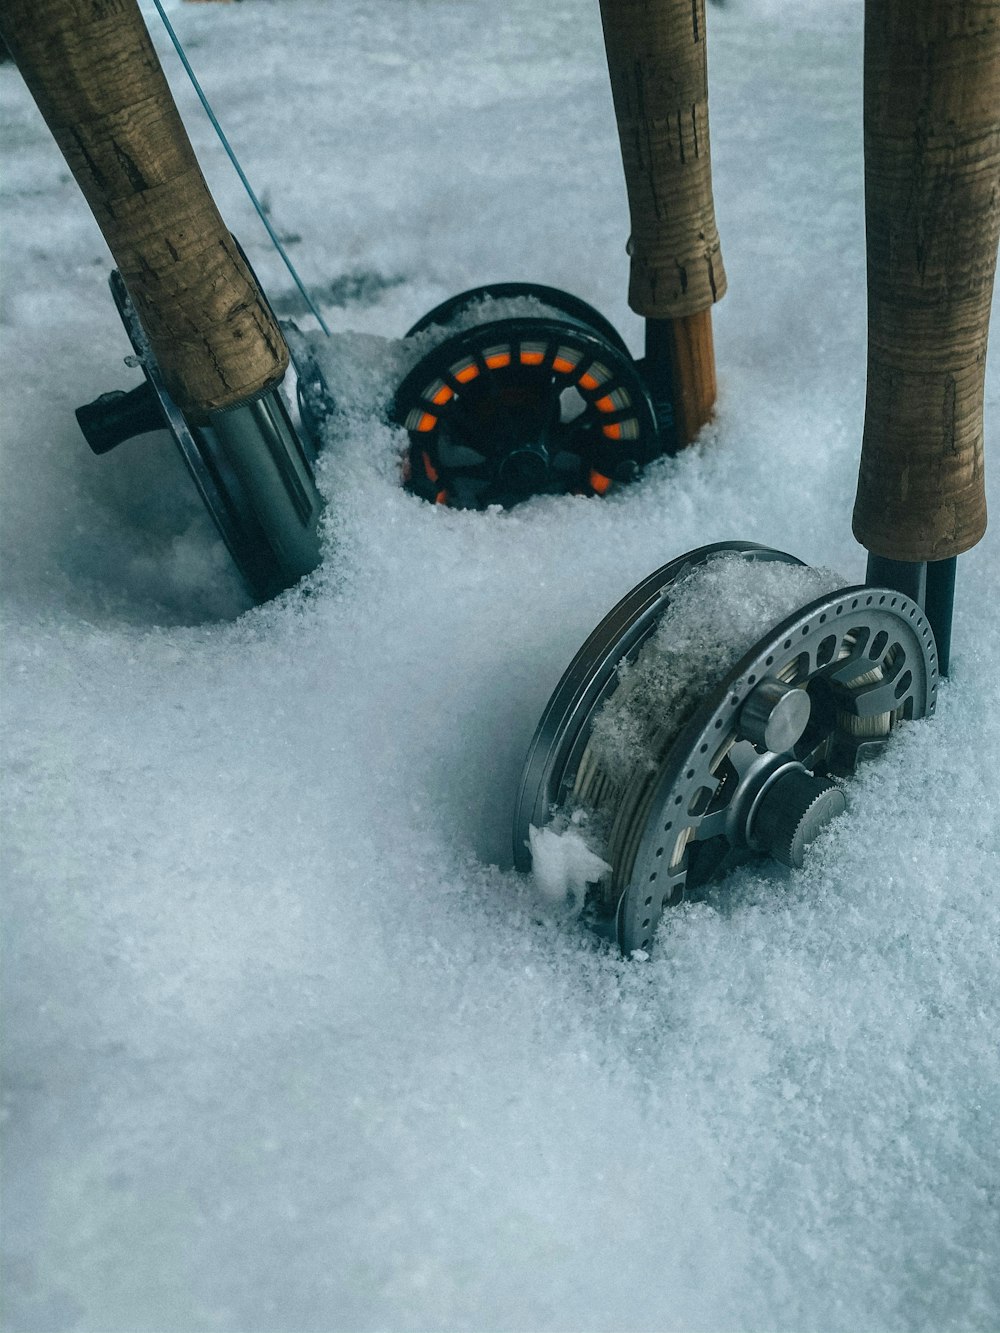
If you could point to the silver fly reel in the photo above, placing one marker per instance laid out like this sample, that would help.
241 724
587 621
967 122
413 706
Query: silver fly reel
251 467
749 767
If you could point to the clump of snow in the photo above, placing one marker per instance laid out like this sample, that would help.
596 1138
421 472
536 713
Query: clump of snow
563 863
717 612
489 309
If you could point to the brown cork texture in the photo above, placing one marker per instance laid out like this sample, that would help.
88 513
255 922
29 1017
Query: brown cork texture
92 69
659 80
932 204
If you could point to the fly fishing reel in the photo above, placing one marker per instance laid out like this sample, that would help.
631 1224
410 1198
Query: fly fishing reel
250 465
677 779
548 402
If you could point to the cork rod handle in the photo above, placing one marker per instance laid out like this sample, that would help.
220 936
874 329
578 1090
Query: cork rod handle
92 70
932 205
659 81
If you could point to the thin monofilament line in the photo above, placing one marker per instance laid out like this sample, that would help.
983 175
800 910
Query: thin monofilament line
239 170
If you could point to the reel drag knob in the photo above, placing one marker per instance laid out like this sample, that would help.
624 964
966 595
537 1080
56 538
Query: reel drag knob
793 811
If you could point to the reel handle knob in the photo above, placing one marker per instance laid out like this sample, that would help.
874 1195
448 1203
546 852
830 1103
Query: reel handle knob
117 416
525 470
792 812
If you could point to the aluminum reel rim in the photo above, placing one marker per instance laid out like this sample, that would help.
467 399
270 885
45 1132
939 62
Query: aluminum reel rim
262 500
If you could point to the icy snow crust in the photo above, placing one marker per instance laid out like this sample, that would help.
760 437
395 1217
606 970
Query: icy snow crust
716 614
287 1046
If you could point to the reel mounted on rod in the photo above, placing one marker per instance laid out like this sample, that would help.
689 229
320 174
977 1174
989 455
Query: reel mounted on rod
556 403
251 467
209 345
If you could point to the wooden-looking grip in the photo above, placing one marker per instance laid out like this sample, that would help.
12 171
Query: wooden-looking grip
91 67
659 80
932 203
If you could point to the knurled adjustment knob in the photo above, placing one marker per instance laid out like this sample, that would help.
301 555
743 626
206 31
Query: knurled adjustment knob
792 812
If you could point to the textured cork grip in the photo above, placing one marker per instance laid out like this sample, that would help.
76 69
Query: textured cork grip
659 80
932 202
92 69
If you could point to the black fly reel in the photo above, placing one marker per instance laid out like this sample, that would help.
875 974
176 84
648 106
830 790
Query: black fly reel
546 404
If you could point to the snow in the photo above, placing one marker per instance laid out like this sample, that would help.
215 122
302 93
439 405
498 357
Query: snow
563 863
287 1044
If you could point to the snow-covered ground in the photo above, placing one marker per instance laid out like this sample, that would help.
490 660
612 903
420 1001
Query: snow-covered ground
288 1045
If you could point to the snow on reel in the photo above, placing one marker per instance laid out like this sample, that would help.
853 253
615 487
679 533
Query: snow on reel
547 403
674 772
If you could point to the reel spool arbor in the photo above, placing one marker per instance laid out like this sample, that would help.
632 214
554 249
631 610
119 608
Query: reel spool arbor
751 764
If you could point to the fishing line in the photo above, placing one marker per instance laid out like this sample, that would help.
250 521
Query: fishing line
239 170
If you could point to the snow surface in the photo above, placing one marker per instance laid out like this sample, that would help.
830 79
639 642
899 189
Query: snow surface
287 1044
